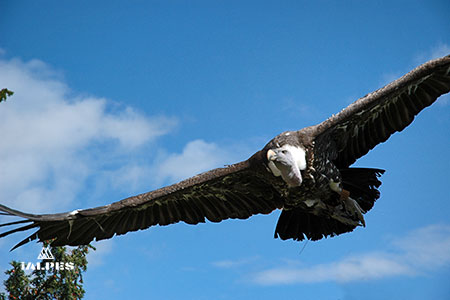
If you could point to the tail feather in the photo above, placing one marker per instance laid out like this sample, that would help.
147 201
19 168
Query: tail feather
363 184
298 224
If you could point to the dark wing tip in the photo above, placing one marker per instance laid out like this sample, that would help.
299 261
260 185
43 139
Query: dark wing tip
372 119
30 238
29 225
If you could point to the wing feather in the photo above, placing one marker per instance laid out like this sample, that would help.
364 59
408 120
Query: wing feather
372 119
232 192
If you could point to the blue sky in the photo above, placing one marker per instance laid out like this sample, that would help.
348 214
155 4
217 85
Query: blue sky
117 98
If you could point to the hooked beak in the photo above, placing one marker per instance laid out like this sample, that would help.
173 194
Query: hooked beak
271 155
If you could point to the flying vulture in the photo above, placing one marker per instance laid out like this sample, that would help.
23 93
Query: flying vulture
305 173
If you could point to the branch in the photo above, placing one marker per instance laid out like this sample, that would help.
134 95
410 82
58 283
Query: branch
5 93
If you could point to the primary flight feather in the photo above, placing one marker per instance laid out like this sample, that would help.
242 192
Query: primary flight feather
306 173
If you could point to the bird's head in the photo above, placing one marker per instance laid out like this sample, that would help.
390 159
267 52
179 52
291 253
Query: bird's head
286 160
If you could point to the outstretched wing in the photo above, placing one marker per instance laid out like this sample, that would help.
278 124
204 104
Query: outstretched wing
232 192
374 118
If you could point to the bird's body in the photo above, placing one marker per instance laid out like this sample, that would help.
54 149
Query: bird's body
306 173
320 205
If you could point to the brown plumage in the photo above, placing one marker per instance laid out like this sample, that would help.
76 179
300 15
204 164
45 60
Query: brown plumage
315 205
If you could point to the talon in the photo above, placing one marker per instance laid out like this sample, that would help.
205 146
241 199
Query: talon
345 195
308 174
353 208
311 176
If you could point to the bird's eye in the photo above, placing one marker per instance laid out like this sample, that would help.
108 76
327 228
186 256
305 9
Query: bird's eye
284 151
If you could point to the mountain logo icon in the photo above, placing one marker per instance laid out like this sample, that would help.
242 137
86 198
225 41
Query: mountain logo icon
46 253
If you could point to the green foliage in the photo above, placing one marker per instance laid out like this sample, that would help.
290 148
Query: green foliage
43 283
5 93
52 283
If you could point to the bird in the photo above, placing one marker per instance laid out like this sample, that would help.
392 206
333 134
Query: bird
307 174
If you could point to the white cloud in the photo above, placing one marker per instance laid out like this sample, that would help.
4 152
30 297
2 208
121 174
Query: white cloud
390 77
197 156
51 139
102 248
132 177
443 100
56 143
434 52
439 51
295 108
230 263
370 266
420 251
427 247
